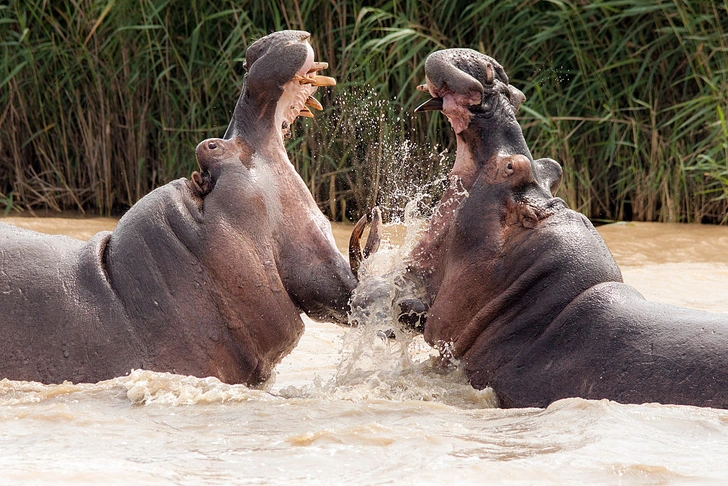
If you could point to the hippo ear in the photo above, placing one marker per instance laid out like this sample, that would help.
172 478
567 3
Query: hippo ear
548 174
516 97
200 184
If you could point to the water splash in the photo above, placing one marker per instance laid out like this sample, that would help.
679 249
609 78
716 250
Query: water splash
380 358
375 137
550 73
139 387
147 387
27 392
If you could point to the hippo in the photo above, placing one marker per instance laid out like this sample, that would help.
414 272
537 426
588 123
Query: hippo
522 291
204 277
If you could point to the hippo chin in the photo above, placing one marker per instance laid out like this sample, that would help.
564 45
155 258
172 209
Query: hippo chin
205 276
523 290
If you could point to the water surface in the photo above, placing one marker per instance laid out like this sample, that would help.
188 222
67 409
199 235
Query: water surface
349 407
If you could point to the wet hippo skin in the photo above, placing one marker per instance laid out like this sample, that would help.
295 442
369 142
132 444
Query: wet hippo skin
523 291
205 276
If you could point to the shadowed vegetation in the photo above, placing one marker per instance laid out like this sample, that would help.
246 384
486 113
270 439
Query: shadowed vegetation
103 100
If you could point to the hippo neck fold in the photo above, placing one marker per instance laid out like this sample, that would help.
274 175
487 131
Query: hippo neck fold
513 292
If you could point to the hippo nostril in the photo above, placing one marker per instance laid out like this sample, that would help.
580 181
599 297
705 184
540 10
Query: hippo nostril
212 145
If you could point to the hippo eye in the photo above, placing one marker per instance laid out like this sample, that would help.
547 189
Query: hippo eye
509 166
212 145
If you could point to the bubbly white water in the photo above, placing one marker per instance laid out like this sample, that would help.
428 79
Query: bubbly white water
350 407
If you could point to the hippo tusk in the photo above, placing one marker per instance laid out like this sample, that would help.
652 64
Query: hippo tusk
355 256
316 80
433 104
323 81
305 112
314 103
422 87
318 66
372 244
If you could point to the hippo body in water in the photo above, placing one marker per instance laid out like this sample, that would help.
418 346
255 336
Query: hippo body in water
523 290
206 276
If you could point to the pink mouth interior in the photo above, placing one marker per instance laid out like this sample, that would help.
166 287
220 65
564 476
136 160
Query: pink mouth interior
455 105
302 92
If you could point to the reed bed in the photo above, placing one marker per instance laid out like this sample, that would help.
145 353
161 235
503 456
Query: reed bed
103 100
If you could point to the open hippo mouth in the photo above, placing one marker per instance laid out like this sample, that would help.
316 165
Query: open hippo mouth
282 76
498 194
472 90
291 50
464 83
298 93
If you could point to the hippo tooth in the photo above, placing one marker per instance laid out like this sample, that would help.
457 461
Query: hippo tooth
305 112
323 81
422 87
318 66
433 104
316 80
314 103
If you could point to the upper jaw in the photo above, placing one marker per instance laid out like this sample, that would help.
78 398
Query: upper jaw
465 83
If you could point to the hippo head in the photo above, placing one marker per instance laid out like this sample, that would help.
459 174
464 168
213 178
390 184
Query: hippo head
248 187
473 91
498 195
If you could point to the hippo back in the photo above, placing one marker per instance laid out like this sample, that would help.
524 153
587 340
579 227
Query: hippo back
73 328
611 343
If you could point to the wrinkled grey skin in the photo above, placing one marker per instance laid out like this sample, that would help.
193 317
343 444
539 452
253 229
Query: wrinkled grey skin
204 277
524 291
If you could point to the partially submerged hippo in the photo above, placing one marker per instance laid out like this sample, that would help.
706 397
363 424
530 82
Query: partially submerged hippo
206 276
523 290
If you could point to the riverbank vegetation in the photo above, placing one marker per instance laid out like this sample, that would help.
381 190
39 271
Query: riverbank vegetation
103 100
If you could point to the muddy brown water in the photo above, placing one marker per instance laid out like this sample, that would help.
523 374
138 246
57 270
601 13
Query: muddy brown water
349 408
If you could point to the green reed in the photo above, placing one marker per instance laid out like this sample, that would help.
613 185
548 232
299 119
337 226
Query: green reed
103 100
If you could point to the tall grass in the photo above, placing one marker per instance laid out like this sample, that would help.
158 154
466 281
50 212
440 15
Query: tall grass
103 100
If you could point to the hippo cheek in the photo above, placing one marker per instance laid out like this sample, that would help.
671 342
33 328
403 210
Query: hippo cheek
245 211
317 278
